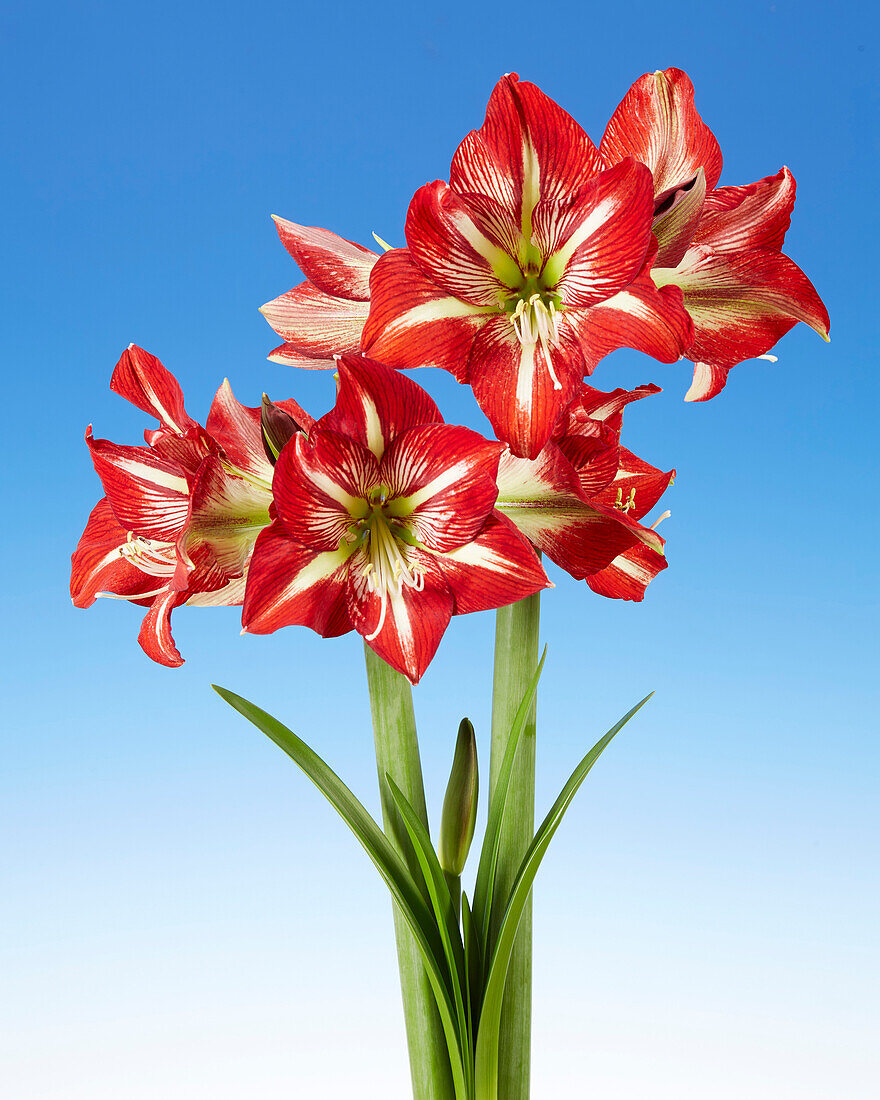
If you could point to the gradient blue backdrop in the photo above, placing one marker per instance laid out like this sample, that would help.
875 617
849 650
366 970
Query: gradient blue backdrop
182 916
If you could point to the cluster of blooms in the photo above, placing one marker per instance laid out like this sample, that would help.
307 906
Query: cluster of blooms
542 254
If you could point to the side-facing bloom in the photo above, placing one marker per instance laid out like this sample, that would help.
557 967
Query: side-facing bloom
581 499
180 516
721 246
385 524
325 315
527 268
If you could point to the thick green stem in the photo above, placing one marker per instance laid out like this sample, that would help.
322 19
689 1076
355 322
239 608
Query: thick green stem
516 658
397 753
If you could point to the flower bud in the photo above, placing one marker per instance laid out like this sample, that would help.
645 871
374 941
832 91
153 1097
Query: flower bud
278 428
460 804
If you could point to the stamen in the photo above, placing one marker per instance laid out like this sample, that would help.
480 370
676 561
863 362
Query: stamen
534 321
657 522
388 568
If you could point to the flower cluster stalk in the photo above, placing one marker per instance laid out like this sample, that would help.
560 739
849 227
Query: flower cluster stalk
516 658
397 755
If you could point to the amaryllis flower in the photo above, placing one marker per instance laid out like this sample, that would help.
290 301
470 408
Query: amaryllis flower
721 246
581 499
527 268
386 525
325 315
181 515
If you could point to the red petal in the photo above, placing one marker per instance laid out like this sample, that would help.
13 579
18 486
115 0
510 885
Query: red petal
336 266
155 633
289 585
636 484
641 316
600 243
238 430
97 566
742 303
413 323
226 515
627 577
441 479
756 215
515 388
317 325
658 124
141 379
320 487
528 150
607 406
288 355
543 500
497 568
708 381
374 404
148 495
675 226
413 621
452 246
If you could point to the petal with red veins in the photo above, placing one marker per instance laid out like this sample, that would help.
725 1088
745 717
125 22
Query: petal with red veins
708 381
528 150
317 325
140 378
374 404
742 303
594 457
756 215
441 483
640 317
411 622
451 245
542 498
592 404
657 123
148 495
155 633
97 566
675 225
497 568
413 323
598 246
186 451
288 356
339 267
518 390
637 485
320 487
627 577
226 515
290 585
238 430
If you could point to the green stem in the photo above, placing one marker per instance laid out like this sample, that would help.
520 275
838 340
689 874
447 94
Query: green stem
516 658
397 753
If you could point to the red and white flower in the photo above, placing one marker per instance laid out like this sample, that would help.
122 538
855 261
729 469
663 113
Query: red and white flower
581 499
526 269
180 516
721 246
385 524
325 315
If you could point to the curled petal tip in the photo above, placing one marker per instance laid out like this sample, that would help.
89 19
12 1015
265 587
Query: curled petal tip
242 632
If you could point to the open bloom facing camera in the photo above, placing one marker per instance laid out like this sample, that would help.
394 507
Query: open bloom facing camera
386 524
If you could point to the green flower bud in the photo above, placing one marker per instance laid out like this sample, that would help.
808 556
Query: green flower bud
460 804
278 428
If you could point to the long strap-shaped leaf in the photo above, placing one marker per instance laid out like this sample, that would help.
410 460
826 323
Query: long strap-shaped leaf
490 1017
447 924
484 887
387 861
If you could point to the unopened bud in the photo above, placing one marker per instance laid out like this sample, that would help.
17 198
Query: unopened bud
278 428
460 804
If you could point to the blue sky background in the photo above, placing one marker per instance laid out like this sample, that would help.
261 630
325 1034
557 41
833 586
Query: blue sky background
182 916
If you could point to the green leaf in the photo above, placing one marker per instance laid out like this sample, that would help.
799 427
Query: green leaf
485 885
473 967
490 1017
447 922
388 862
